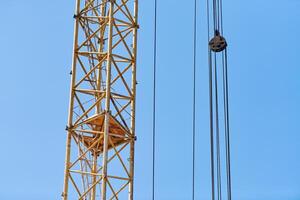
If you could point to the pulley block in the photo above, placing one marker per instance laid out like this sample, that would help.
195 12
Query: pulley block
217 43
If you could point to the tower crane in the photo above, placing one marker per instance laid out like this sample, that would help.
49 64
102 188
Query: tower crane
99 161
100 146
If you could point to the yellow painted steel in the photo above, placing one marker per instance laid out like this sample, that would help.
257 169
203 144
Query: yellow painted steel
101 125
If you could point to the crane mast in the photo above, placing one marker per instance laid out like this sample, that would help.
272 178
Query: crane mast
101 124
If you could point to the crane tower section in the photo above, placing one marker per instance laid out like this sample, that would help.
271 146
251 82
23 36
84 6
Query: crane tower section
101 124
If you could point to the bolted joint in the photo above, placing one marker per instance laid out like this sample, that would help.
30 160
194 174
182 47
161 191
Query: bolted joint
104 176
101 41
137 26
107 111
76 16
68 128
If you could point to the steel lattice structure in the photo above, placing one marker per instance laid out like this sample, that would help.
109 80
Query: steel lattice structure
101 123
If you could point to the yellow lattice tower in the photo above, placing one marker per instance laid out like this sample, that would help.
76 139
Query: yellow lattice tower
101 124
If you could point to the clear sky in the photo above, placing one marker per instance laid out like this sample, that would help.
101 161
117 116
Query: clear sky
264 69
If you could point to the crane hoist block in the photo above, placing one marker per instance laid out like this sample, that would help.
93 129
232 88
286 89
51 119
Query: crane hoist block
217 43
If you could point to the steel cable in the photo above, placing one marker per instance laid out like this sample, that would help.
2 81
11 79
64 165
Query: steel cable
227 132
219 183
216 148
154 99
194 98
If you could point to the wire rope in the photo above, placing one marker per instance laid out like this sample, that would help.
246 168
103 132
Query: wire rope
227 129
154 99
215 137
194 98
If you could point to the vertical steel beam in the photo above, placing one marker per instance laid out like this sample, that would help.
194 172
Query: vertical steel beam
101 48
133 84
71 105
93 196
107 101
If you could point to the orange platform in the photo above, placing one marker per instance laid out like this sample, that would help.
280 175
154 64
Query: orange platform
117 133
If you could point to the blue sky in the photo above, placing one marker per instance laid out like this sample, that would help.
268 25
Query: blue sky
264 68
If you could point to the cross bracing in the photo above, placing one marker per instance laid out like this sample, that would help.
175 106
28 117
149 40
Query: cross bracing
101 125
